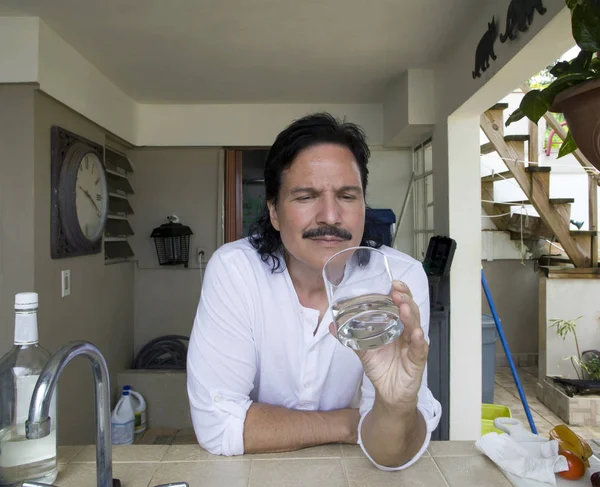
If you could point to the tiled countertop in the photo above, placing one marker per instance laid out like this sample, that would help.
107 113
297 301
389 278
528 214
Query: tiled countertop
446 464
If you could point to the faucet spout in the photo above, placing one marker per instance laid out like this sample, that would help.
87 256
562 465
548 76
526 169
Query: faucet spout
38 424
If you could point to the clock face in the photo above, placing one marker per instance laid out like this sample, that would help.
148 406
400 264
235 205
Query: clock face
91 196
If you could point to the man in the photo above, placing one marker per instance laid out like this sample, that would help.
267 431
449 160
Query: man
265 373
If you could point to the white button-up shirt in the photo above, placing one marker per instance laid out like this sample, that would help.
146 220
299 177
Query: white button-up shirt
252 340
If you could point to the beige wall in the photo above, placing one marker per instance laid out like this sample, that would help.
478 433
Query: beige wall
389 176
100 307
16 202
183 182
514 288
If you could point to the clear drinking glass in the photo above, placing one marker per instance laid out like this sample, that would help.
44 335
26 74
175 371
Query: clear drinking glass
358 283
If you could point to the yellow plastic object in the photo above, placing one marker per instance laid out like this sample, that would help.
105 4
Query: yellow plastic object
489 412
570 441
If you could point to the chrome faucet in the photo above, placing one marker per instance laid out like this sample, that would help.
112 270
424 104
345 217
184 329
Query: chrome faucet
38 424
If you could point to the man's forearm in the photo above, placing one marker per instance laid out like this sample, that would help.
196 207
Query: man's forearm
275 429
393 435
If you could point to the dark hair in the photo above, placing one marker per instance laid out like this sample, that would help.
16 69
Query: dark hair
311 130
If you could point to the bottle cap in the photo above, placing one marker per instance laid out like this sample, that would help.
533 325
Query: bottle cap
25 301
126 393
126 388
26 331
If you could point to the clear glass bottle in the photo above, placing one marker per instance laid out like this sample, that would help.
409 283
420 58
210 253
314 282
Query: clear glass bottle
22 459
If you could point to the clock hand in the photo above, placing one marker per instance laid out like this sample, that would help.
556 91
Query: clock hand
91 199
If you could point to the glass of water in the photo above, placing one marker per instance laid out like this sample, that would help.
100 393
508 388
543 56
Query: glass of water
358 283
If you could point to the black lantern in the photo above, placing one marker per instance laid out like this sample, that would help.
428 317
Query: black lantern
172 242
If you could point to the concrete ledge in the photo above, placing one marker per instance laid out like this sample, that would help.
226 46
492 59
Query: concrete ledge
574 411
165 392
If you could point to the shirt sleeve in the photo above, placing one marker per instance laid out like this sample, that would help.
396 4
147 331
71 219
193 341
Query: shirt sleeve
429 407
221 360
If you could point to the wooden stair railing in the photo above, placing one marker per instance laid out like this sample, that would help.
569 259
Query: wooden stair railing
593 179
535 183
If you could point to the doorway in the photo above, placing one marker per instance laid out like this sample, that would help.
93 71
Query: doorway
244 190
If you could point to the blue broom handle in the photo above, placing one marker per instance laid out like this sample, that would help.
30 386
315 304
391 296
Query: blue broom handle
490 301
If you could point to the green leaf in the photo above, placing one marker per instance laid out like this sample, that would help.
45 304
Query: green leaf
568 146
534 104
594 67
581 61
564 82
585 24
518 114
560 68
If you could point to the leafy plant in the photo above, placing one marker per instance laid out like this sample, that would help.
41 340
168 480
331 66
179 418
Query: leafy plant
585 25
592 367
563 329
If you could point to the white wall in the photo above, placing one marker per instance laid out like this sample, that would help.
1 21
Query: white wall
567 299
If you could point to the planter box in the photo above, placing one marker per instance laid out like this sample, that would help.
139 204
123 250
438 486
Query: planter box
574 411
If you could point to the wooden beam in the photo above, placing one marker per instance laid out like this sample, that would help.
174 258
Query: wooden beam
531 226
551 218
487 148
553 201
487 195
533 142
560 272
496 118
562 134
499 176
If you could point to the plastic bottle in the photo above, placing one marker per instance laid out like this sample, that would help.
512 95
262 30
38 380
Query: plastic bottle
139 409
22 459
123 421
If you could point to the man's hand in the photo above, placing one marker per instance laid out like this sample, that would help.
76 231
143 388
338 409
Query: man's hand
396 369
394 430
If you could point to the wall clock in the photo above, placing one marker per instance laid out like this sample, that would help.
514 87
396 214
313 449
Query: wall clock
79 195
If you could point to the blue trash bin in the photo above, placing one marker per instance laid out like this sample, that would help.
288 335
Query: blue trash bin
488 358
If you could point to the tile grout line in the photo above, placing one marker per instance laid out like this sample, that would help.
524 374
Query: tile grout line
440 471
250 472
343 460
152 476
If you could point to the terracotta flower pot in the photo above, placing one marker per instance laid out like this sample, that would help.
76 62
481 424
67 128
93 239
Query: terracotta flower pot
581 106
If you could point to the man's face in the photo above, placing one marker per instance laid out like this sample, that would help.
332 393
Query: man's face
321 207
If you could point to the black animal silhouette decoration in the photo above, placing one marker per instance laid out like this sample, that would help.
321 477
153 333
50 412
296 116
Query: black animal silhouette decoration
485 49
519 17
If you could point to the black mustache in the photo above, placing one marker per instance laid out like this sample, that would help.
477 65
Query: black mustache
327 231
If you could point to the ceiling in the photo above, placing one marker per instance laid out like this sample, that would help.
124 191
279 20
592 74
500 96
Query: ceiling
254 51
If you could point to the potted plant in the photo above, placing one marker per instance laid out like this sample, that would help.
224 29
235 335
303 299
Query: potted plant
576 89
586 364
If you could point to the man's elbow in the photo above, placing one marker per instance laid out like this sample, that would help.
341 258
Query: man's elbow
221 439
